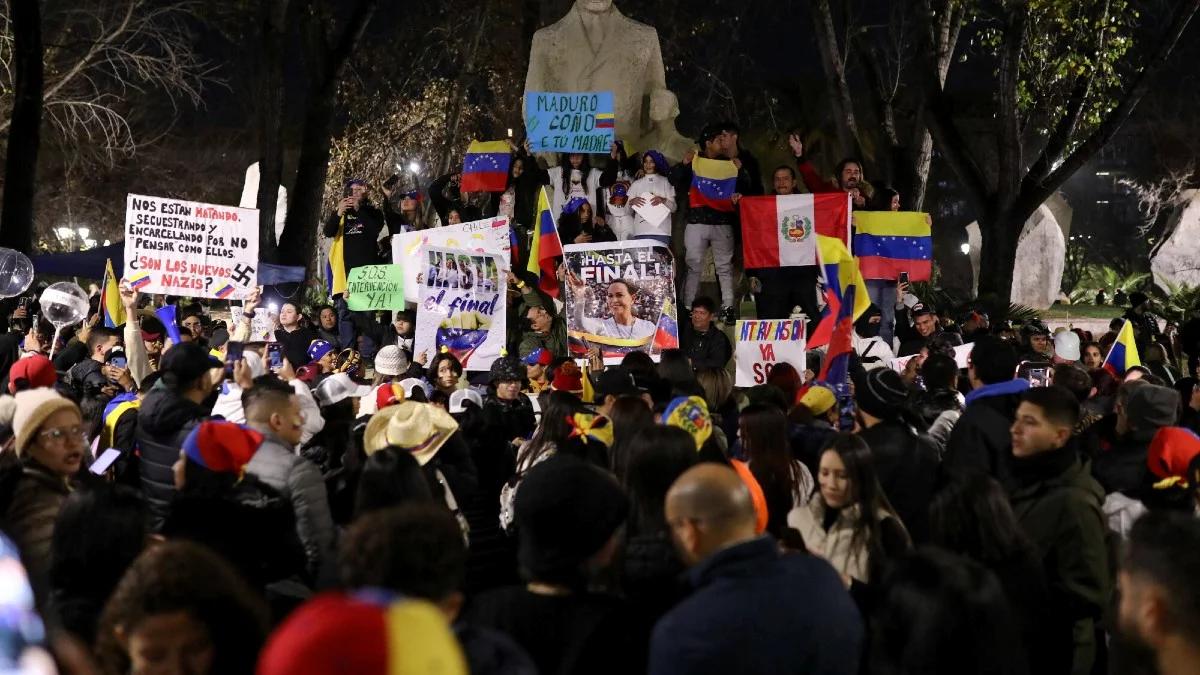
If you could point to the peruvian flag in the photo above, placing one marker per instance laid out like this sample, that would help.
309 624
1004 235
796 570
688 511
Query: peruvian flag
782 231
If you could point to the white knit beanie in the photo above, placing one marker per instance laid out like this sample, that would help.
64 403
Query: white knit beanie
34 406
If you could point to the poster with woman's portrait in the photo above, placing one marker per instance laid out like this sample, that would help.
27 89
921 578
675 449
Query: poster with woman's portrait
619 297
462 307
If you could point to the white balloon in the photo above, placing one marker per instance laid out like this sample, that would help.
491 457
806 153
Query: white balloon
64 304
16 273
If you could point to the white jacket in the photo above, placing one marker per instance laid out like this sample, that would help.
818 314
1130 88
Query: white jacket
591 183
660 186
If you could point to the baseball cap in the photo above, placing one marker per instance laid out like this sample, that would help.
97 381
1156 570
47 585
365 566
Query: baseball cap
36 370
188 361
338 387
463 395
921 309
818 399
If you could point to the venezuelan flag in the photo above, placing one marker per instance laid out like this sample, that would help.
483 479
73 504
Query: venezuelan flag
836 370
485 167
1124 353
713 183
139 280
887 243
605 120
840 272
335 267
546 246
110 298
667 334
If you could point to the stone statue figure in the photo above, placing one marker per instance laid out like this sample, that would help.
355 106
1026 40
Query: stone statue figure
597 48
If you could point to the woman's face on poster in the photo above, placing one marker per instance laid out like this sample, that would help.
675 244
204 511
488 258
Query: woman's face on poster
620 300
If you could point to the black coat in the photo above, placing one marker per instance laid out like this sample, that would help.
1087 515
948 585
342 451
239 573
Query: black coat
907 466
1121 466
756 610
981 440
164 420
295 344
710 349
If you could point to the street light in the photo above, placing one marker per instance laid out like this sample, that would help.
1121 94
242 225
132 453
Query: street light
84 232
965 248
64 232
414 167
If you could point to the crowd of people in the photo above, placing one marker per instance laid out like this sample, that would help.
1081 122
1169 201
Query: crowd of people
327 501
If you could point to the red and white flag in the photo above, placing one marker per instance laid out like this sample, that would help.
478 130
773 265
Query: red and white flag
782 231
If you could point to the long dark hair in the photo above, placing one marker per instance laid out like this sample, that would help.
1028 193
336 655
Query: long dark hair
631 418
390 477
764 435
585 167
865 490
674 367
554 428
658 457
971 515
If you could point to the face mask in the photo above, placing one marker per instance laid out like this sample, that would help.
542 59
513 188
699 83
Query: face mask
865 328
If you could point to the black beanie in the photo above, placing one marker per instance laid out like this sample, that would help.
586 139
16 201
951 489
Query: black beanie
880 393
565 511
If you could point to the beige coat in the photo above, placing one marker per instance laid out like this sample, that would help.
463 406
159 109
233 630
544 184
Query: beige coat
848 557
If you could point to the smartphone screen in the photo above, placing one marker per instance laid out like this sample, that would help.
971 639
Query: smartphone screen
1038 373
274 356
105 461
233 354
903 277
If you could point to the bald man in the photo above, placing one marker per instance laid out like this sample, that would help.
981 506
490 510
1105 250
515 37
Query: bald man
753 609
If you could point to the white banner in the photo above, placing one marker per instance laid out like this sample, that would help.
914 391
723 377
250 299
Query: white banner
463 306
174 247
962 356
489 235
762 344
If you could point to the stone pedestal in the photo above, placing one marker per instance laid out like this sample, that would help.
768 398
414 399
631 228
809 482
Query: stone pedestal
1041 258
1177 259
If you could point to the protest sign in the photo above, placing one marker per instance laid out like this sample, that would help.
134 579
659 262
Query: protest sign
762 344
175 247
569 121
375 287
962 357
489 235
651 213
619 295
463 307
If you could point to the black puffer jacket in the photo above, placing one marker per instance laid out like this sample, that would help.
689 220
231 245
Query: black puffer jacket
163 422
981 440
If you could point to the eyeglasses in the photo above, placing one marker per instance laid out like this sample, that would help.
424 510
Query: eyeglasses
60 434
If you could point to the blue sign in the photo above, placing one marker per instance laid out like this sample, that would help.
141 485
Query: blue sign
570 121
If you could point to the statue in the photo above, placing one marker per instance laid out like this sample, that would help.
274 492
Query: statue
597 48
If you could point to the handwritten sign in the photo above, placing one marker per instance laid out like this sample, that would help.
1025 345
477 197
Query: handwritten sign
569 121
763 344
175 247
375 287
490 235
463 307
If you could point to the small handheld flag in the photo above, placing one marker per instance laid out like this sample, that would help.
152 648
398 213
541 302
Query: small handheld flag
666 336
713 183
546 247
485 167
110 298
1124 352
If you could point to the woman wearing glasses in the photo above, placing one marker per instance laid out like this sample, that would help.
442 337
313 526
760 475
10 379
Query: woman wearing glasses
50 442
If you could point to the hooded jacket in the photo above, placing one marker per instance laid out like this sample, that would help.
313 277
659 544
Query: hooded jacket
1059 505
163 422
981 440
299 482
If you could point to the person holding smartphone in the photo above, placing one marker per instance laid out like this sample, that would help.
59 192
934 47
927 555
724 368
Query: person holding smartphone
355 227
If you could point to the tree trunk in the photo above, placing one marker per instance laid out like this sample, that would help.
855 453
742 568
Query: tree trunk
833 61
460 85
20 166
997 259
275 24
297 246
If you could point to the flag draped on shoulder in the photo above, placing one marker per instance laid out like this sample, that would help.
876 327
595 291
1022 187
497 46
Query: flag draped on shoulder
335 267
887 243
713 183
1124 352
110 298
781 231
839 273
485 167
546 247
